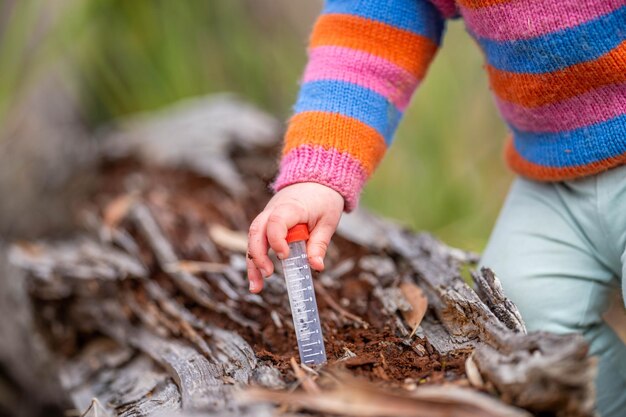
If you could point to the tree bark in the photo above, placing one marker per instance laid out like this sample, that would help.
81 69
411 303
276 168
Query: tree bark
148 311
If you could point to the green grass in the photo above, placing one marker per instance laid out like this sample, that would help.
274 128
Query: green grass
145 54
14 51
444 172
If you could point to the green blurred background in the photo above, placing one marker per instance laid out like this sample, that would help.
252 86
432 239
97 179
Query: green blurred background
444 173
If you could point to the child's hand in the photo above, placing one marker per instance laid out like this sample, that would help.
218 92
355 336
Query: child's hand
316 205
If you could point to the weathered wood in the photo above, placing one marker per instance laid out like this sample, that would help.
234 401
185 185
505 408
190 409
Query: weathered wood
197 378
233 353
184 335
81 259
136 386
514 362
25 360
542 371
188 283
206 130
467 323
489 290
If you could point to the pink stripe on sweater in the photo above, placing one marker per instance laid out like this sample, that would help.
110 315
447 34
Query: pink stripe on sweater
337 170
366 70
447 8
592 107
524 19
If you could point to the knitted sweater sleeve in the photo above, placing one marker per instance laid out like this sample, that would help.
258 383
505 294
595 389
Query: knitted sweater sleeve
366 57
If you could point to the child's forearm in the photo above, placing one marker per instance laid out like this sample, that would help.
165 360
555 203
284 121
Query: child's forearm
365 60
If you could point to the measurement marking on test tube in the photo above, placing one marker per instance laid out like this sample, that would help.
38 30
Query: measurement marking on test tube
302 299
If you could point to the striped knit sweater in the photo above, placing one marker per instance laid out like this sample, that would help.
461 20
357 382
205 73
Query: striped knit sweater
557 69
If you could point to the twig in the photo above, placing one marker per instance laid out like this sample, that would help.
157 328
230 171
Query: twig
194 267
305 380
335 306
229 239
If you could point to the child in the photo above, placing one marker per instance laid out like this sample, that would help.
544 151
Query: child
558 72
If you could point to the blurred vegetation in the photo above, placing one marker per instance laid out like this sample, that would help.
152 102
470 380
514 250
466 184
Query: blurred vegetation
15 24
444 173
145 54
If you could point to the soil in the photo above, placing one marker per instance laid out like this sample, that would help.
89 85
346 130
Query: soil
184 205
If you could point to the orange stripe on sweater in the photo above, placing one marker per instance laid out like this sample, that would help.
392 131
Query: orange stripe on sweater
407 50
331 130
532 90
479 4
546 173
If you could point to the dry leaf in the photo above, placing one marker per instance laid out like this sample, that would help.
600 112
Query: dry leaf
30 248
353 397
419 304
95 409
472 372
229 239
194 267
117 210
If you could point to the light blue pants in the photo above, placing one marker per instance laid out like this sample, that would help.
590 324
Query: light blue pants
560 251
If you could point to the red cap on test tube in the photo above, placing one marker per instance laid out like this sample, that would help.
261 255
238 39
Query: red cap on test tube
298 232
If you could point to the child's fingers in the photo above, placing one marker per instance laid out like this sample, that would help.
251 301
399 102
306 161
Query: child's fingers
282 218
257 245
318 244
255 277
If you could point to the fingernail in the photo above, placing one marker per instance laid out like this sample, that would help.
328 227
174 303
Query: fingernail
265 273
281 255
320 260
252 286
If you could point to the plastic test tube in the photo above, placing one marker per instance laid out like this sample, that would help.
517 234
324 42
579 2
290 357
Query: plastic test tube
304 311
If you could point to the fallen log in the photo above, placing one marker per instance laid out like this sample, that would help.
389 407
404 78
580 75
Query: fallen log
147 310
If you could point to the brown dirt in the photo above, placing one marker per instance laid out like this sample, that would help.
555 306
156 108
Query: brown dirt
184 205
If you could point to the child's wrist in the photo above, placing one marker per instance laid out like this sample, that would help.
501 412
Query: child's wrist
336 170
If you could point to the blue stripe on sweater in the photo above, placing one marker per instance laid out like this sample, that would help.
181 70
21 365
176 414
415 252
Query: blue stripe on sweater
416 16
553 51
350 100
575 147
